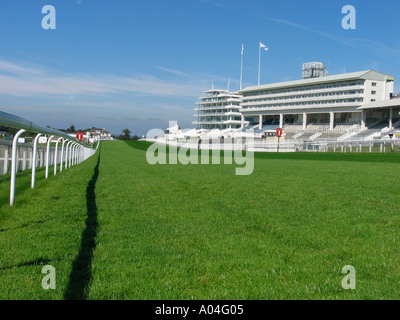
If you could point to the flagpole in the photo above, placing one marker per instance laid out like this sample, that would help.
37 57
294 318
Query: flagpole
259 62
241 70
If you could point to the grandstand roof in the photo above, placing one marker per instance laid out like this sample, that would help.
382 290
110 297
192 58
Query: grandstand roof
368 74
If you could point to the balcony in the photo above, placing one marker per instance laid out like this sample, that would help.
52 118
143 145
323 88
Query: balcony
229 106
301 107
297 93
218 114
209 122
305 99
218 101
221 114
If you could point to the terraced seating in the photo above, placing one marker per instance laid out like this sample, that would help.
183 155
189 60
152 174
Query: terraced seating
268 127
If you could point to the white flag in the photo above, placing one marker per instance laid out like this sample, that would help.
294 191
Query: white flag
263 46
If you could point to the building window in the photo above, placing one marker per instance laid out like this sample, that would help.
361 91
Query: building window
374 84
373 92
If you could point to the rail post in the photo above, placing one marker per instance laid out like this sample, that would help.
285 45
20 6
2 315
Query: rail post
67 150
55 156
48 156
34 157
14 160
74 157
70 154
74 154
5 165
79 154
23 160
62 154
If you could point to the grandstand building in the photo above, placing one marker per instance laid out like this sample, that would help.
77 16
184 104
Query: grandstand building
357 105
218 109
320 100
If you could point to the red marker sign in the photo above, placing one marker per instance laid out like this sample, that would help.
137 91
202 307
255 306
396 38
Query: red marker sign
79 136
279 132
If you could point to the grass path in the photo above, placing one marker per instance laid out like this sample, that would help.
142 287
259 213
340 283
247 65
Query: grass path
123 229
286 231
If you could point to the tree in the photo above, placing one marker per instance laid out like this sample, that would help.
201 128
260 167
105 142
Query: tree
126 133
71 129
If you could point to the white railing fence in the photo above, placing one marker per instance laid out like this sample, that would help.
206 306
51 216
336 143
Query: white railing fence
31 156
25 156
255 145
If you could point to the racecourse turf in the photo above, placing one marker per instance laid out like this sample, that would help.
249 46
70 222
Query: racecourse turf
116 227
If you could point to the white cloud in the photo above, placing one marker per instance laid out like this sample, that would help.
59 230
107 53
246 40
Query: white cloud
18 80
176 72
58 98
12 68
367 45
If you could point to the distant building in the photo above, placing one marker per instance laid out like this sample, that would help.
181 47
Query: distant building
102 132
218 109
42 139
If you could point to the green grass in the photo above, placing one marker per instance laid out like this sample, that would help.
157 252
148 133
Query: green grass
43 228
116 227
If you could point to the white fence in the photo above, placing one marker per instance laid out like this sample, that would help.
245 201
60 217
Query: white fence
25 157
65 153
249 144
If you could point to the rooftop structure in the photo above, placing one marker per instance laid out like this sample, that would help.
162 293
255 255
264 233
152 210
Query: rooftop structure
314 70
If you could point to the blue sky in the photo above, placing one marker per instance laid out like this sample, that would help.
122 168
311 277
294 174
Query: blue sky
138 64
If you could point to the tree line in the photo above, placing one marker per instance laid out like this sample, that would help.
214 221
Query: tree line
126 135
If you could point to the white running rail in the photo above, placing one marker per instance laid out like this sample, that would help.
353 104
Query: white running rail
74 152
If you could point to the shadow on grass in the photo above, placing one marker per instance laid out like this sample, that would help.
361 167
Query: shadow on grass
23 183
81 269
25 225
40 261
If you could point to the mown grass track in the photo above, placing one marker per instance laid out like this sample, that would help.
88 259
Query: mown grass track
201 232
